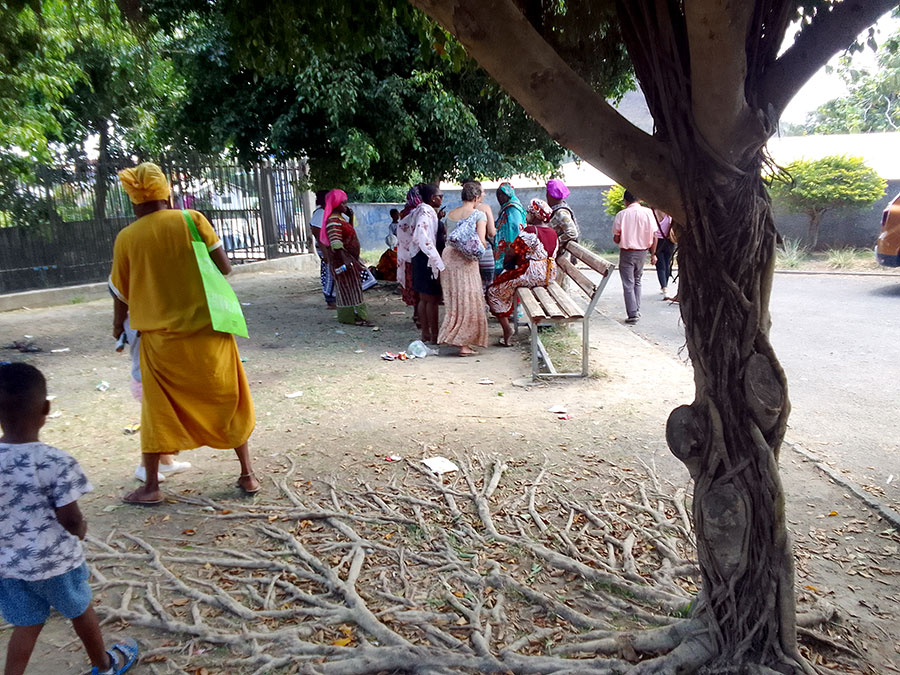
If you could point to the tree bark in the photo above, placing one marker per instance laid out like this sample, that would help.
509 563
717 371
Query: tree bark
101 185
812 233
718 73
729 437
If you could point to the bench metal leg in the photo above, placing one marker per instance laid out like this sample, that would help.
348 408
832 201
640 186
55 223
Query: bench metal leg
515 314
534 350
586 346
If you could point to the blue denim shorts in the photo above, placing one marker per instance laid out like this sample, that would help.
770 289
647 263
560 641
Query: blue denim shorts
28 603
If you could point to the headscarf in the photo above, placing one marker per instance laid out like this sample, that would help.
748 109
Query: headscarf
540 209
509 191
332 199
413 197
145 183
557 189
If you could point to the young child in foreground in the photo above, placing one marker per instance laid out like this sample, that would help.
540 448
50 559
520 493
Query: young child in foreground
41 560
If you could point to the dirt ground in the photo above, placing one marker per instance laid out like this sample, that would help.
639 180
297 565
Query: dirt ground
356 409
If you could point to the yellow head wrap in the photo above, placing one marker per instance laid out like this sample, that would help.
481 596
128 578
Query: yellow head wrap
145 183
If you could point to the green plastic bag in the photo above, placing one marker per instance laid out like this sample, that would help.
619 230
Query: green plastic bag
224 308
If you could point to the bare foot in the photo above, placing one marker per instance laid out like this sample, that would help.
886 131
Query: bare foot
144 497
248 483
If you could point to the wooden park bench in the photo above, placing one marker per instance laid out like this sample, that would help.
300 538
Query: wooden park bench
553 305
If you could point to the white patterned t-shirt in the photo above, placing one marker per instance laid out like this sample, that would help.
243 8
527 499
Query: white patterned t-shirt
36 479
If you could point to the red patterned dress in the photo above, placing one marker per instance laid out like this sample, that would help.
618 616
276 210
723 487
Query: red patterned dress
534 265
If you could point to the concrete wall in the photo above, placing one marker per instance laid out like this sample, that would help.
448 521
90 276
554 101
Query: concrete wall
844 227
372 222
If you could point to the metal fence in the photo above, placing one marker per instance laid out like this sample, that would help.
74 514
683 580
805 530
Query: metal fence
259 211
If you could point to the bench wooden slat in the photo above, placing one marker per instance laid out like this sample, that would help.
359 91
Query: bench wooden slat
531 305
591 259
579 277
565 301
551 309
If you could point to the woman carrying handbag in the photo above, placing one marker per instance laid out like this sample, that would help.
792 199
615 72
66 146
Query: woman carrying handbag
465 322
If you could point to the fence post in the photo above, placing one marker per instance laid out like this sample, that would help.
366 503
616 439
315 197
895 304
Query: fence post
307 204
267 212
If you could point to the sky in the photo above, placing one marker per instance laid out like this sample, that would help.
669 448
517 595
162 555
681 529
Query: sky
823 87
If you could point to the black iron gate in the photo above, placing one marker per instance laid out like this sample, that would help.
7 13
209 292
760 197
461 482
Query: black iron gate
260 212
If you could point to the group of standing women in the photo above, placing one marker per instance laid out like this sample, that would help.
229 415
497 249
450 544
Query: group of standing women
463 258
470 260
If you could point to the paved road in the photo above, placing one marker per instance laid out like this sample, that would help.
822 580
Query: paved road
838 338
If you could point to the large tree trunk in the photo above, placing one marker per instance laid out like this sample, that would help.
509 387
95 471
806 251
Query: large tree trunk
729 437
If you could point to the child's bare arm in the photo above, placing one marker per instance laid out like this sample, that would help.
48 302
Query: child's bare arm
69 516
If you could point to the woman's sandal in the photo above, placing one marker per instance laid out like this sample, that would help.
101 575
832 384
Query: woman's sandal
127 655
504 343
141 502
246 491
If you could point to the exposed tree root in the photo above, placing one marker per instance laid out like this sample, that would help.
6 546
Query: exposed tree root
491 572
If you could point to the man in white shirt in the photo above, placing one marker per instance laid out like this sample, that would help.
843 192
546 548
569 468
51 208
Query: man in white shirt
634 230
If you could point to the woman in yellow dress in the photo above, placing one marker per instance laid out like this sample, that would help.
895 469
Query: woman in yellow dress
195 391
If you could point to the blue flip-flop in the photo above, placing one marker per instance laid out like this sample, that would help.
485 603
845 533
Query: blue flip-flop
127 649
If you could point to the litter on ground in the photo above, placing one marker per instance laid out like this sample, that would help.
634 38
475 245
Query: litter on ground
440 465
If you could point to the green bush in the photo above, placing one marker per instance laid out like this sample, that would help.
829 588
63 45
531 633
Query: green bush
614 199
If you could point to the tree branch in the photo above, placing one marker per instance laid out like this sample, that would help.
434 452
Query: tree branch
566 106
828 34
133 11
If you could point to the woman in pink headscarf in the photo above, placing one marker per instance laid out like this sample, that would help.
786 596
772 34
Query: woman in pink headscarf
338 238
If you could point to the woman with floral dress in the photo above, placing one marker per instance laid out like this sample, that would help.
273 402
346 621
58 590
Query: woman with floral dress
529 262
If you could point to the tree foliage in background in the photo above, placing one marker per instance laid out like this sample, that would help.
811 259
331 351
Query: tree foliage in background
75 76
815 187
872 103
368 102
614 199
127 85
371 109
35 75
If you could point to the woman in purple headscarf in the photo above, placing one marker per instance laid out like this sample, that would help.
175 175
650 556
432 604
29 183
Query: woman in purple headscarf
563 220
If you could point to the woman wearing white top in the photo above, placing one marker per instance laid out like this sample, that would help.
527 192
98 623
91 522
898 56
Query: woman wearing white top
426 259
